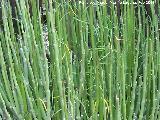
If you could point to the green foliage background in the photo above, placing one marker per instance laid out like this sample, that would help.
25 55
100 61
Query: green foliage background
95 68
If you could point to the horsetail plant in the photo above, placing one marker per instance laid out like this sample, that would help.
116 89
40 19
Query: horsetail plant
78 61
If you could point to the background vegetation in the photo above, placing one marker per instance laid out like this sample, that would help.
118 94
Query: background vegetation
82 63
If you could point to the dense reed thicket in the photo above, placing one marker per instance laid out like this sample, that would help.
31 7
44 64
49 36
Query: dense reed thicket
95 66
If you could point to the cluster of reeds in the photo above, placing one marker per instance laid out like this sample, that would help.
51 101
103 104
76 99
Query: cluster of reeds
97 66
